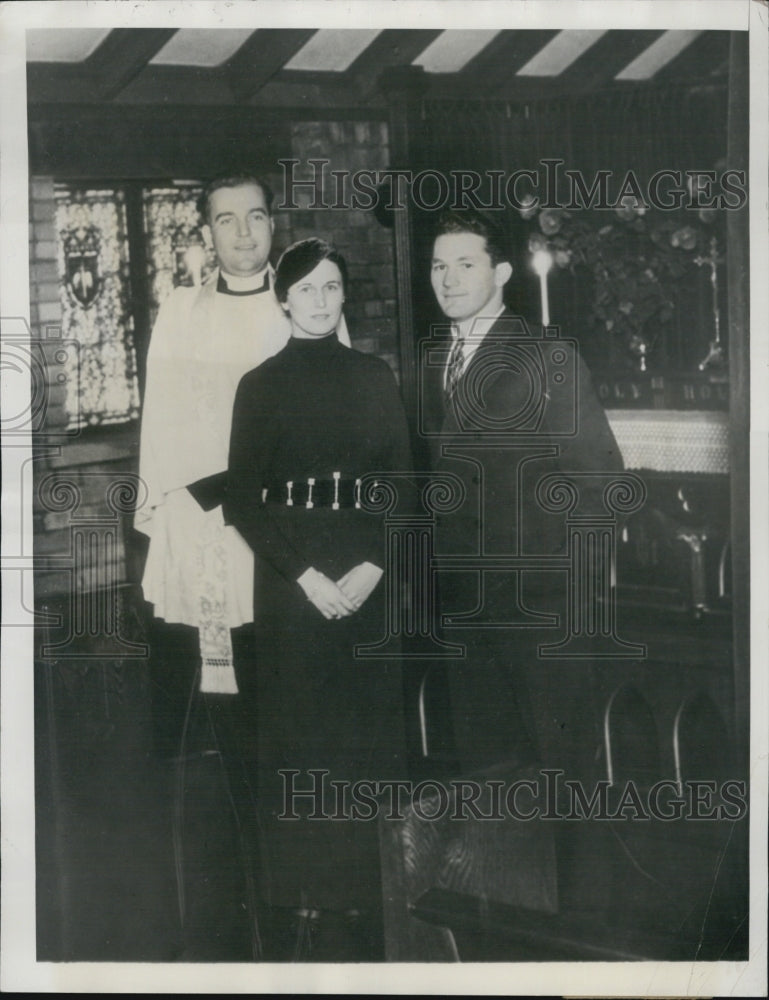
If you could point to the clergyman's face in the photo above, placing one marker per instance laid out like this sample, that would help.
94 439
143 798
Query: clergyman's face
314 302
464 280
240 229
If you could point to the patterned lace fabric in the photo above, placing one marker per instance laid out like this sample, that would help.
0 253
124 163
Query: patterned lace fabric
671 440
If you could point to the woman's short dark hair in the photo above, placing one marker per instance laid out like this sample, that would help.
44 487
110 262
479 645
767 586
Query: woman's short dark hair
233 180
300 259
472 221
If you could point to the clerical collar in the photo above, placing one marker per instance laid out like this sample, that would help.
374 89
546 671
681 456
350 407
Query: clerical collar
253 285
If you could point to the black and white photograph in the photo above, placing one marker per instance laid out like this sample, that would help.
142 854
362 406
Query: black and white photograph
385 473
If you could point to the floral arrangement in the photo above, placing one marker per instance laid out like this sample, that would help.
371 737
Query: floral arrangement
638 258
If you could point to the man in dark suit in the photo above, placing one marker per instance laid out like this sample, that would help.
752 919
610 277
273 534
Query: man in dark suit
518 406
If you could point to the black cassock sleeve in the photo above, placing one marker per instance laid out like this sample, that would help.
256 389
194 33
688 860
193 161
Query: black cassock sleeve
209 491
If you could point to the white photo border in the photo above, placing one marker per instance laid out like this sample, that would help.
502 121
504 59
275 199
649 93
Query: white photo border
20 970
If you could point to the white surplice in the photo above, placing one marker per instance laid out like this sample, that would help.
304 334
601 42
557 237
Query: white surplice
199 571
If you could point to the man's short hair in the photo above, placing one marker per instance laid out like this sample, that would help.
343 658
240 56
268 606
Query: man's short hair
233 180
300 259
470 220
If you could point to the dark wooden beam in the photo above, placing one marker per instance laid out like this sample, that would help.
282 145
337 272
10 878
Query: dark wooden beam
265 53
495 65
324 94
313 77
403 88
58 83
327 93
53 83
133 115
701 60
119 70
93 141
393 47
164 85
49 123
540 90
516 89
123 54
597 67
321 95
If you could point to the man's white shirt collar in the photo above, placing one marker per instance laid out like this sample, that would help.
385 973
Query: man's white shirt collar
473 331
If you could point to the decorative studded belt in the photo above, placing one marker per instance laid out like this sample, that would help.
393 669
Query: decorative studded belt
335 493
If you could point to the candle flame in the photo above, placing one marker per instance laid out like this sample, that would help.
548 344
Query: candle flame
195 259
541 261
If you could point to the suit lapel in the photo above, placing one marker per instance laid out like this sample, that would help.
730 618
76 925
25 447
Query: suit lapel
505 328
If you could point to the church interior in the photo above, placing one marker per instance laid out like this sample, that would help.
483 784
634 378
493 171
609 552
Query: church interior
138 861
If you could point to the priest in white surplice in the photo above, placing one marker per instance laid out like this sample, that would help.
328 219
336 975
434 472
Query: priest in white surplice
199 571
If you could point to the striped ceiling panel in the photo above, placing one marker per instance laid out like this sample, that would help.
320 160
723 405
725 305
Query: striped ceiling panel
330 51
560 53
68 45
659 54
452 50
344 66
198 47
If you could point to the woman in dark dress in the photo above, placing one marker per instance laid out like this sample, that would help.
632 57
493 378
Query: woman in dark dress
307 424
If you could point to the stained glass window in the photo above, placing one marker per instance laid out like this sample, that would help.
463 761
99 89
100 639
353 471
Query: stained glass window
175 251
94 292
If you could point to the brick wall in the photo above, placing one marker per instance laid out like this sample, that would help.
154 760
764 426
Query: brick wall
367 246
45 308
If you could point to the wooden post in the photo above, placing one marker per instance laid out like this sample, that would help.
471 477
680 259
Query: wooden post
403 85
738 273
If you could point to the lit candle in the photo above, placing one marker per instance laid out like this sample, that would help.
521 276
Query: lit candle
195 258
542 262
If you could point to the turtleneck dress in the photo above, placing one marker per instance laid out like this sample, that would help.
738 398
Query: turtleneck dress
313 409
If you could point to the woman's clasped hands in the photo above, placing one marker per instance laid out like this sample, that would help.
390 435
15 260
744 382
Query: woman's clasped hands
346 596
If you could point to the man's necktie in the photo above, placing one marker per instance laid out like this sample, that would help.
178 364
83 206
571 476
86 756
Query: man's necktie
454 367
